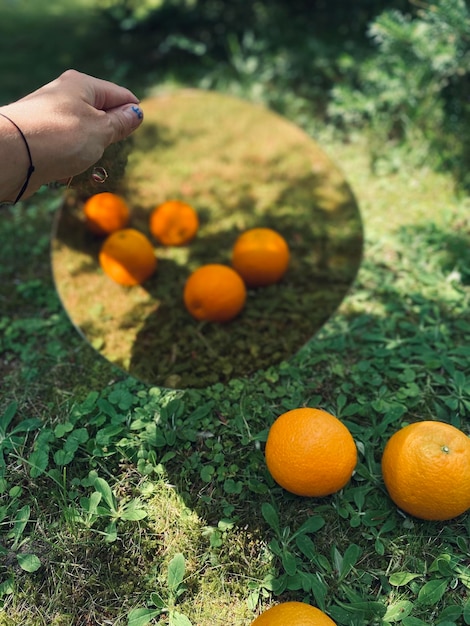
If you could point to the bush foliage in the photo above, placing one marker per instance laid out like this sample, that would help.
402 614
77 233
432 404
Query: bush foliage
414 89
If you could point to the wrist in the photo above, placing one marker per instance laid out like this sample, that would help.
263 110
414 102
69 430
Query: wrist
16 159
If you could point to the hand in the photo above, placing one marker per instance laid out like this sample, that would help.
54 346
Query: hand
68 123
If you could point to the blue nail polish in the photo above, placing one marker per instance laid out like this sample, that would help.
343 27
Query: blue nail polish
138 111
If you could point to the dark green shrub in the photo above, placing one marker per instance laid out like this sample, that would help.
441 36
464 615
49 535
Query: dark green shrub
414 90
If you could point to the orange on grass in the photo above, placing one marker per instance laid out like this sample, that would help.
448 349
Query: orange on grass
426 469
309 452
174 223
105 213
128 257
293 614
260 256
215 293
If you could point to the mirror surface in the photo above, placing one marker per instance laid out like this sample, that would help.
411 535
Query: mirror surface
240 166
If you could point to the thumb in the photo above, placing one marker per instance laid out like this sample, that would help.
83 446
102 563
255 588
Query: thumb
124 120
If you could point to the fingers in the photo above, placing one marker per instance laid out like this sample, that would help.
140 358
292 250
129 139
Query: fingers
99 93
124 120
107 95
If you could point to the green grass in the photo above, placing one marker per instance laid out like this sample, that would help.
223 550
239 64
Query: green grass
118 498
396 351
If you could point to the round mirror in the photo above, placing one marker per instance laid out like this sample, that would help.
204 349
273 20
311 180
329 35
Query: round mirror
240 166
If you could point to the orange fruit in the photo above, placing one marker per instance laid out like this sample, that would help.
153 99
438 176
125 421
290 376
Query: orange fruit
309 452
105 213
128 257
293 614
215 293
426 469
174 223
260 256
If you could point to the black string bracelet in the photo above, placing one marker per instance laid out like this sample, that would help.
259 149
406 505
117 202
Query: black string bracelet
31 166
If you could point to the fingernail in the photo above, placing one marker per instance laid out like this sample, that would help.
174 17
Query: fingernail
138 111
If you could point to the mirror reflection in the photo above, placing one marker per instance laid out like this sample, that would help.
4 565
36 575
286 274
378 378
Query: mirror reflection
240 167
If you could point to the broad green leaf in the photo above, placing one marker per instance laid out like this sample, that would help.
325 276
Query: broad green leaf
443 564
27 425
111 532
63 457
350 557
233 486
311 525
369 609
359 496
306 546
157 600
462 543
105 490
351 409
270 516
279 584
379 546
215 539
122 399
28 562
323 563
349 613
459 379
61 429
397 611
275 547
107 408
398 579
105 435
225 524
6 418
432 592
337 559
15 491
340 614
92 503
413 621
176 569
288 562
141 617
7 587
450 613
295 582
21 519
38 462
75 439
133 511
207 472
319 590
178 619
466 612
